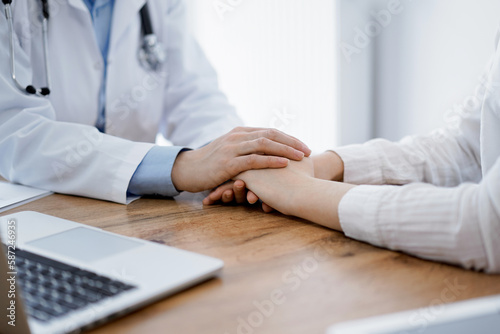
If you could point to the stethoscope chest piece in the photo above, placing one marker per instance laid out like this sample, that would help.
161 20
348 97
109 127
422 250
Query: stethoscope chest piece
152 52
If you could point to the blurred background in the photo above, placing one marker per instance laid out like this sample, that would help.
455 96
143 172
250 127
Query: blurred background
336 72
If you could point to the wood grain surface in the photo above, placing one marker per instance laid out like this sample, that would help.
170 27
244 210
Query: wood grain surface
281 274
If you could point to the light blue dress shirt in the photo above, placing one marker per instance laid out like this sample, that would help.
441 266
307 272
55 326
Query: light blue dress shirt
153 176
101 12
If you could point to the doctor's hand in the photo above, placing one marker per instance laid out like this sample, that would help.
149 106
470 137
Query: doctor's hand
240 150
234 192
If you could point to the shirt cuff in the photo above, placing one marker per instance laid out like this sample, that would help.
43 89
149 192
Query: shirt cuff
441 224
358 213
361 164
153 176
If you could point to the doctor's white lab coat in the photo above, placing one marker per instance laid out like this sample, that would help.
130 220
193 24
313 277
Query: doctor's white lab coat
52 143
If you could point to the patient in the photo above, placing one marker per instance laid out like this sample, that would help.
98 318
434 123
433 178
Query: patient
435 196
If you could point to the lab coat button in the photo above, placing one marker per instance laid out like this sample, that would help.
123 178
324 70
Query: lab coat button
97 65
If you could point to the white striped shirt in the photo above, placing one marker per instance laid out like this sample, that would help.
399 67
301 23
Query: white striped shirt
446 206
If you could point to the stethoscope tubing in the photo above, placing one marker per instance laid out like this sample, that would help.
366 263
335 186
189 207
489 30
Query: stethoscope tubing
30 89
152 56
45 34
8 15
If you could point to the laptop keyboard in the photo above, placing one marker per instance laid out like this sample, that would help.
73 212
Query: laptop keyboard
51 289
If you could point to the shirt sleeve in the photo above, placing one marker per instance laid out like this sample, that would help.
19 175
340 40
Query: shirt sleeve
446 158
154 174
65 157
458 225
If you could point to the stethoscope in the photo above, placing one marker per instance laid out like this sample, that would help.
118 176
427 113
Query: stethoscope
151 54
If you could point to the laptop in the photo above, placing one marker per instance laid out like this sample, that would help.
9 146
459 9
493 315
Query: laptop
58 276
479 316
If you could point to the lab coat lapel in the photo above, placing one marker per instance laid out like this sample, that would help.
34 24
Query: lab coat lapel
124 13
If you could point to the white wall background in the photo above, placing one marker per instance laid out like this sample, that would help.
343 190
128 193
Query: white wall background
280 63
276 61
426 61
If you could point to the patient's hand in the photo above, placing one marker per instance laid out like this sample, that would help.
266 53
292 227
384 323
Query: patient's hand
294 191
327 166
238 192
279 190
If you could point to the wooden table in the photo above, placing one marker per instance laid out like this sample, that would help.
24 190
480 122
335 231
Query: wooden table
316 277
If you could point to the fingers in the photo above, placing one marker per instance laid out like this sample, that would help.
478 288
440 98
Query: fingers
234 191
280 137
208 201
227 193
254 161
269 147
239 190
251 197
218 194
267 208
227 196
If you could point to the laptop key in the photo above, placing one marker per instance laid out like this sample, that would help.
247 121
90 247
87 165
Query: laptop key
73 302
93 296
40 315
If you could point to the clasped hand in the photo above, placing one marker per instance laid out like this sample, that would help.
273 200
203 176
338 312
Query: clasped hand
240 150
306 189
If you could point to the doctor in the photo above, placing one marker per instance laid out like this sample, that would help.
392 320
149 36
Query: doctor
103 96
